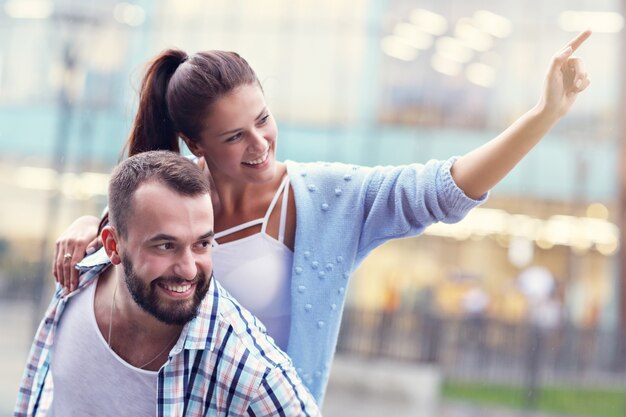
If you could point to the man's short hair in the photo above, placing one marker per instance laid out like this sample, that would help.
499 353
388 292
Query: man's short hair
171 169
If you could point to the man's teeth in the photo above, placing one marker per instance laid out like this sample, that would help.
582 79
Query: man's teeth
177 288
260 160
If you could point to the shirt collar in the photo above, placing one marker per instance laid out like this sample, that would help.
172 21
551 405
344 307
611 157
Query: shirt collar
99 257
201 332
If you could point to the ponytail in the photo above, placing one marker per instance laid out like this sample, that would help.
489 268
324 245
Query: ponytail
153 128
175 97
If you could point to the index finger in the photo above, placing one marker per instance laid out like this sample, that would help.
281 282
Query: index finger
578 40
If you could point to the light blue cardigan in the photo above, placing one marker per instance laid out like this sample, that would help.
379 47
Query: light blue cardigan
342 213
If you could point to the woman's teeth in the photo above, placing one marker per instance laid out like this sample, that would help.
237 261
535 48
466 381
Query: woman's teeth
262 159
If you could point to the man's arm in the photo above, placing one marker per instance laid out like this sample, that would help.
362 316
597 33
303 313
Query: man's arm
280 393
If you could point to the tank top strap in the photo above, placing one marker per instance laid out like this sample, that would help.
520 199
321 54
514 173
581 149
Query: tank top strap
273 203
283 212
236 229
263 221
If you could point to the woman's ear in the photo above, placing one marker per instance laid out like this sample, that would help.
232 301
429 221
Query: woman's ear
110 243
193 146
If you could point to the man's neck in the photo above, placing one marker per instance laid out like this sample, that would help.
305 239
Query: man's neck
131 332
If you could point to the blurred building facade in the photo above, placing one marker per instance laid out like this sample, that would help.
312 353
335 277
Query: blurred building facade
359 81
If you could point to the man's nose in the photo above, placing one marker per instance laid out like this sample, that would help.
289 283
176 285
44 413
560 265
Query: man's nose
186 266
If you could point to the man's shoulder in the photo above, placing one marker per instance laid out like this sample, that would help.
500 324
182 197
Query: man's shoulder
242 331
237 350
241 359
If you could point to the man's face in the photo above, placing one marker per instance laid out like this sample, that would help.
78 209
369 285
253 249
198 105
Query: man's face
148 297
166 256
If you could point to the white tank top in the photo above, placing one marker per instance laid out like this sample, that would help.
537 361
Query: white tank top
256 270
90 379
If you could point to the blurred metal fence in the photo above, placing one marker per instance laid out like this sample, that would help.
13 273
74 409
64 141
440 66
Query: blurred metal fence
489 350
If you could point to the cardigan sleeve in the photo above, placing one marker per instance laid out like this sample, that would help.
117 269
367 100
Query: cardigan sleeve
401 201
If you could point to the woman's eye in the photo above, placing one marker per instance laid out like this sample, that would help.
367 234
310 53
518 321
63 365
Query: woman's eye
264 119
234 138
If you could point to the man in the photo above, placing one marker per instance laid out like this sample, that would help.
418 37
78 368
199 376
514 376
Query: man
154 334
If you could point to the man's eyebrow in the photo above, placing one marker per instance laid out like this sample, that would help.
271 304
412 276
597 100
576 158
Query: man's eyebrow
161 237
165 237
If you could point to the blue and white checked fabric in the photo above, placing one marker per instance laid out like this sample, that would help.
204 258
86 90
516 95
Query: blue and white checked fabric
222 365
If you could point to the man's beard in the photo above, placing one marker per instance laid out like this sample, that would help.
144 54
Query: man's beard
171 311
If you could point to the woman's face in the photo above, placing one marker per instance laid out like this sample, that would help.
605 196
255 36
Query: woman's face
239 137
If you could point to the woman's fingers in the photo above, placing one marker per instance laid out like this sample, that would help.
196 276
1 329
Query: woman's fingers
70 249
57 262
578 40
561 57
93 246
68 254
77 256
577 74
67 270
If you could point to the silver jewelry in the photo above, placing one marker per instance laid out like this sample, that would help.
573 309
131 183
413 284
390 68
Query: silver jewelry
111 315
160 353
67 257
111 326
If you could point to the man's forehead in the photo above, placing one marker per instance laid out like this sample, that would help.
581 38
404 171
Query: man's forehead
157 209
155 190
152 187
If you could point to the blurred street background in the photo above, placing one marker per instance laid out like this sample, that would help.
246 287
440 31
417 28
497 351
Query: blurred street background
518 310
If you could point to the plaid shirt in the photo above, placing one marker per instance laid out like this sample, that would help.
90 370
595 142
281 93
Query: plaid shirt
222 365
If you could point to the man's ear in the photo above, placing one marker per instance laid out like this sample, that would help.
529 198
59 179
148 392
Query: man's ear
110 242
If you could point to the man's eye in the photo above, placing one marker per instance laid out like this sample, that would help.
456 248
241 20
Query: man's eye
166 246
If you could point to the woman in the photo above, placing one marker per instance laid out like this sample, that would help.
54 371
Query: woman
288 235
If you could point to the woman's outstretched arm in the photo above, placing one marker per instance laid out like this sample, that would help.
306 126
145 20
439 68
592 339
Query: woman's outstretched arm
481 169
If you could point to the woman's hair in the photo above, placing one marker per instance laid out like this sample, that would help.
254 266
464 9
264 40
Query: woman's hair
176 93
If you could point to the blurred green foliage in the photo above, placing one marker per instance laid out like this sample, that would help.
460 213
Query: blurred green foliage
564 400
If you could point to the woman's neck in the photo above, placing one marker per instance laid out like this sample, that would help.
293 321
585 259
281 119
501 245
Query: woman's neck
235 199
